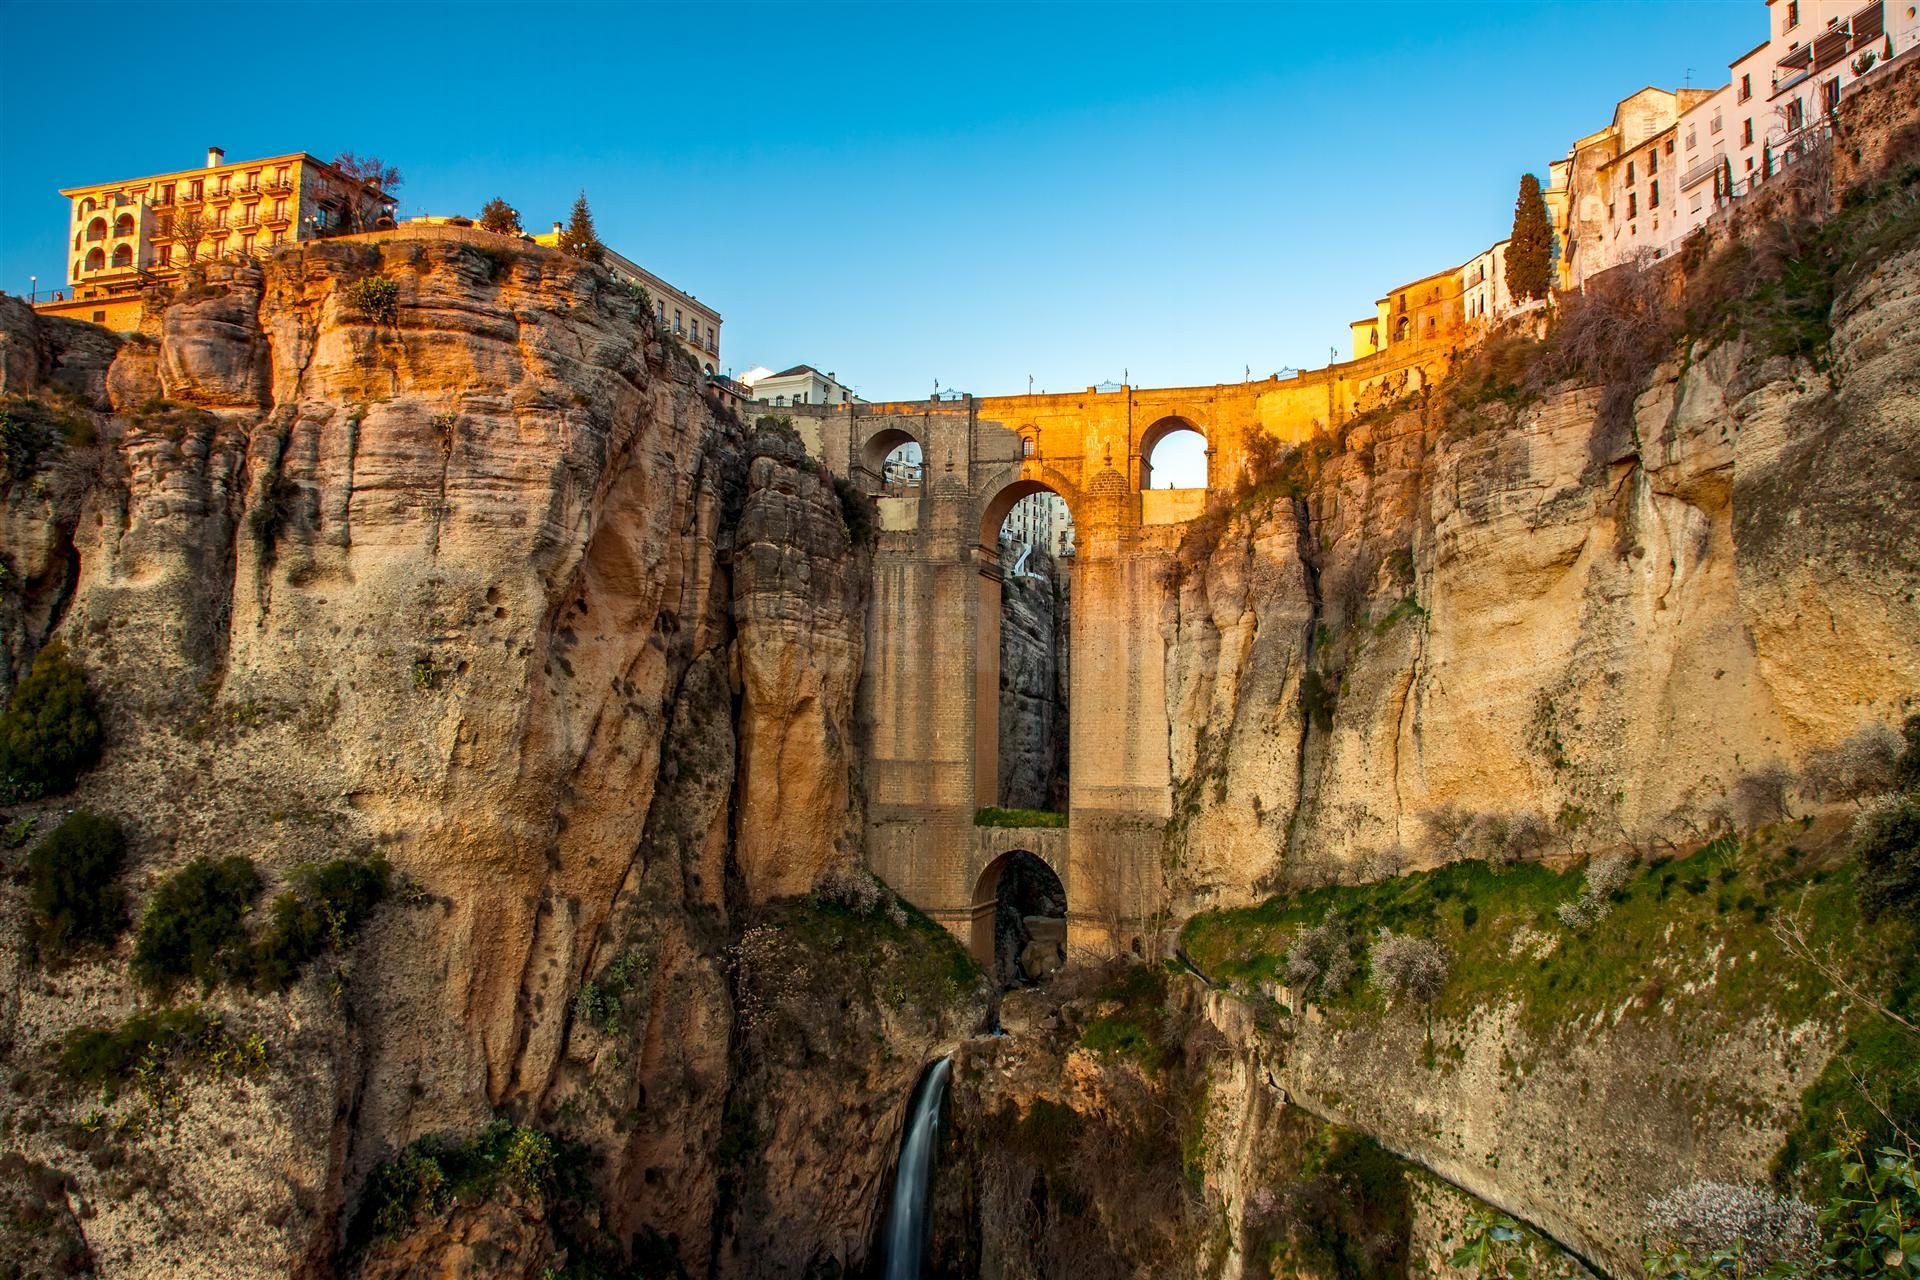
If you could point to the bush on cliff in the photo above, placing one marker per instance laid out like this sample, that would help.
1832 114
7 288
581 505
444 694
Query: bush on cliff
50 732
140 1050
321 913
195 925
1886 841
374 297
858 512
74 879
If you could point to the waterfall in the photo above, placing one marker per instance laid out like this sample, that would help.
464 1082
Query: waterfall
902 1251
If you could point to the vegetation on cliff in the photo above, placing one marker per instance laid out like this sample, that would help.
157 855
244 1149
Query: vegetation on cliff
50 732
75 890
1733 930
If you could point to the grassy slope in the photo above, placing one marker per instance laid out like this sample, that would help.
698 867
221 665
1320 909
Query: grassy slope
1689 941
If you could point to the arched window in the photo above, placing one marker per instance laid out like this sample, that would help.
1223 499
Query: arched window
1400 330
123 225
76 264
123 255
96 259
87 205
1026 446
97 229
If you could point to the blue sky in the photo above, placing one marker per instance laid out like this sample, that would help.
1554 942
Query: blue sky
903 193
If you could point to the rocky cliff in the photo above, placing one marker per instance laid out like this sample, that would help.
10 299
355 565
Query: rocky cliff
428 547
1033 686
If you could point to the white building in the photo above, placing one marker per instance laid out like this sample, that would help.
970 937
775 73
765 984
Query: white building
1037 520
802 384
1483 288
1669 160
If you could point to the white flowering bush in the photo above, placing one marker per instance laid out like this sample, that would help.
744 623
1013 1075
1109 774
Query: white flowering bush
1415 968
861 893
1757 1226
1320 962
1605 877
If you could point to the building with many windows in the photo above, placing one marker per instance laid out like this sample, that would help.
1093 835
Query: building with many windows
128 235
692 321
802 384
1670 159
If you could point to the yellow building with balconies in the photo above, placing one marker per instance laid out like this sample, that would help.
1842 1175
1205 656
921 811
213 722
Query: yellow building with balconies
128 236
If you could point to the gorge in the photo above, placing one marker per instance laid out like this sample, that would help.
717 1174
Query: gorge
576 790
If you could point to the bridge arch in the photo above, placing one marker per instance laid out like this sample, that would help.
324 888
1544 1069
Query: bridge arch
877 446
1021 883
1159 433
993 513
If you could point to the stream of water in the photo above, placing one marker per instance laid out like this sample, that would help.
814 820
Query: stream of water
902 1249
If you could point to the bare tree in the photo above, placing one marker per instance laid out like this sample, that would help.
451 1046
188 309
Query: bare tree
189 230
372 182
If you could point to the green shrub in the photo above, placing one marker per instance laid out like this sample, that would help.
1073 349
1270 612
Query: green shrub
375 297
857 511
1886 843
30 428
321 912
194 927
1133 1021
50 731
74 878
106 1058
994 816
435 1172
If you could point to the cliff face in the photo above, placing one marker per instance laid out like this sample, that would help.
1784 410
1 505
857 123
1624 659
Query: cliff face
1588 634
1033 686
429 547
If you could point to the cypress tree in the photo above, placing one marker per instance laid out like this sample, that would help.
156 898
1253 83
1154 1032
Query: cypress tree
1530 251
579 238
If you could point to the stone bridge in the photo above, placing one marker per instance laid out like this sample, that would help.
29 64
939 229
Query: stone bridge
930 698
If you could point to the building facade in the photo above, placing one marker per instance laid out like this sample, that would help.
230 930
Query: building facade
1484 299
692 321
129 235
1670 159
802 384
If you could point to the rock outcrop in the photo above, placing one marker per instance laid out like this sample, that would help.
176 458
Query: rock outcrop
1590 634
1033 686
425 543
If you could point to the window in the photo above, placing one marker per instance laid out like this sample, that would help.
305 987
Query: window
220 217
246 242
166 255
195 188
1796 115
1746 132
1653 198
1690 139
166 194
123 256
677 328
1669 146
279 237
1630 178
1830 95
123 225
1633 204
99 317
1653 161
1697 201
226 184
1793 15
97 229
96 259
1746 87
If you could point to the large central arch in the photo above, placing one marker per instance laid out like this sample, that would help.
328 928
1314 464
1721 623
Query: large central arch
987 616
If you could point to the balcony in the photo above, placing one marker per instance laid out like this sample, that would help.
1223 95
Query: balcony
222 196
1700 172
278 187
279 216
